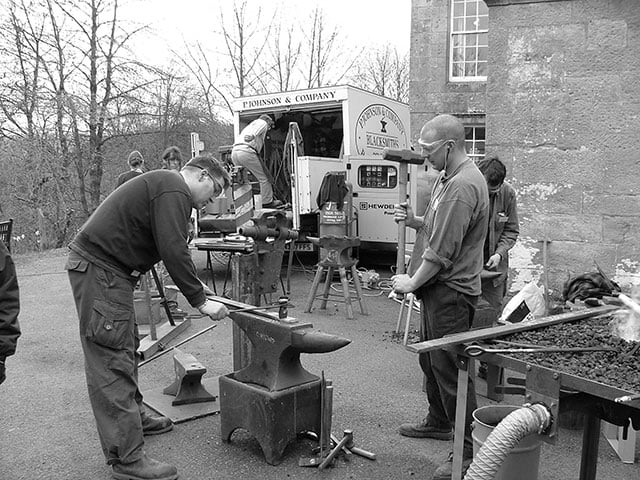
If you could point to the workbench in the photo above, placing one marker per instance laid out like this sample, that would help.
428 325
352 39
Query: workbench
225 245
559 391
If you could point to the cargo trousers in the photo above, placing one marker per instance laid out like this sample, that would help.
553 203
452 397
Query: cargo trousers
109 338
445 311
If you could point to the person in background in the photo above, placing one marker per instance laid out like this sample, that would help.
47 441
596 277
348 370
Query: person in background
450 237
136 163
9 308
172 158
502 234
141 222
246 153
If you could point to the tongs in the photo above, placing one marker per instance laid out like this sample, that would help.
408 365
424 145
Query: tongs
477 350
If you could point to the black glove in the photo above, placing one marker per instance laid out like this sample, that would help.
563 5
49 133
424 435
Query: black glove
2 375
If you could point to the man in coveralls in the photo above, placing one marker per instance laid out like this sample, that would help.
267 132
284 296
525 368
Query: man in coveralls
449 240
140 223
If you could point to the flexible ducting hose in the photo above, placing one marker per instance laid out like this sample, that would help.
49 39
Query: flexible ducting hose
513 428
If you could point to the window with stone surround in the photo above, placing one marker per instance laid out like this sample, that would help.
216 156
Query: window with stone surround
475 141
469 41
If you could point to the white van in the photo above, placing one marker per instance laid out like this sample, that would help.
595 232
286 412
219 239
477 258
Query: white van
344 129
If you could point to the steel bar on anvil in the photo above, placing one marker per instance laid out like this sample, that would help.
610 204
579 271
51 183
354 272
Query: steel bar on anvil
501 330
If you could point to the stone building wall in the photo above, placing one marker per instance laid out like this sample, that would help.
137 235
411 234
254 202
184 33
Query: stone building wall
562 107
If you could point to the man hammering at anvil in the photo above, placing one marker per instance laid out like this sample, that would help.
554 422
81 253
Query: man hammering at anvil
449 245
140 223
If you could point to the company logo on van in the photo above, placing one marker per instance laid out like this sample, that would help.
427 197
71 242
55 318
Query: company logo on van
376 206
379 127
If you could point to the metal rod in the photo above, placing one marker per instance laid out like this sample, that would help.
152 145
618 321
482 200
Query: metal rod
363 453
336 449
477 350
234 304
163 297
204 330
335 441
627 398
323 387
359 451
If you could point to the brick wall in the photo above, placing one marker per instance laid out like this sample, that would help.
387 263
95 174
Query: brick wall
563 112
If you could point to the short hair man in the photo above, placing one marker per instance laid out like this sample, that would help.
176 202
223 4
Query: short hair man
450 239
135 160
9 308
140 223
502 231
246 153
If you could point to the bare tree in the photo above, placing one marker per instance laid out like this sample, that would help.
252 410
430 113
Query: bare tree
245 41
326 62
101 75
19 95
199 65
285 53
385 72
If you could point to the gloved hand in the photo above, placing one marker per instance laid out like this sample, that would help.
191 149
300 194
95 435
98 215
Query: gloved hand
2 371
215 310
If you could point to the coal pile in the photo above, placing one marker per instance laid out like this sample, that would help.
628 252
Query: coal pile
609 368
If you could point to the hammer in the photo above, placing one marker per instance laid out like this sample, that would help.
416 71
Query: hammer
404 158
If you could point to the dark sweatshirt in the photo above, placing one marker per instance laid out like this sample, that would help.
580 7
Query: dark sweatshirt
9 304
142 222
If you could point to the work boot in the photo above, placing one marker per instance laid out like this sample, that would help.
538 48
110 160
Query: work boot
273 204
155 425
424 430
145 468
444 471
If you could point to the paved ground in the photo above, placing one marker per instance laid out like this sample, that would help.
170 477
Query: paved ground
47 430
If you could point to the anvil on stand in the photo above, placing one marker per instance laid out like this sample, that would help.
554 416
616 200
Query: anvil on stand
274 397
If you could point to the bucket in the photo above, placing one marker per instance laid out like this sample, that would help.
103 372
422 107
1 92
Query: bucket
524 460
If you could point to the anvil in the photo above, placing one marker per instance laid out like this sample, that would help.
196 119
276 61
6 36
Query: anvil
273 397
275 358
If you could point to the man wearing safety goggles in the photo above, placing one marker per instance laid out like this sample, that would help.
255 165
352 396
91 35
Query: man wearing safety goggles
448 252
140 223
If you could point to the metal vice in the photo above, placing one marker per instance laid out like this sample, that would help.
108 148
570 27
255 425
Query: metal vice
270 232
274 397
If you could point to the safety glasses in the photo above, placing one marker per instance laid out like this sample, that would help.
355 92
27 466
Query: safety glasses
218 188
429 149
